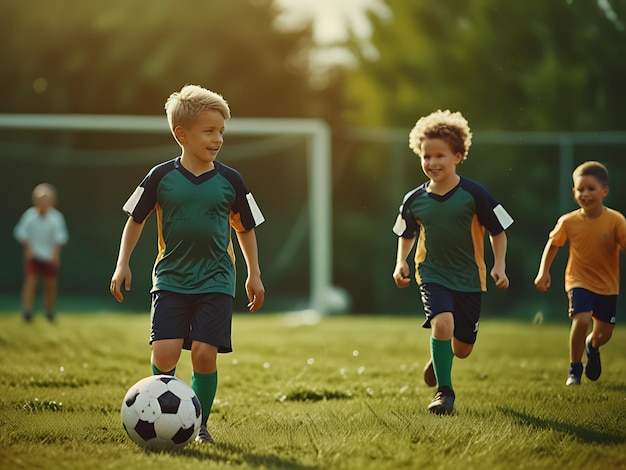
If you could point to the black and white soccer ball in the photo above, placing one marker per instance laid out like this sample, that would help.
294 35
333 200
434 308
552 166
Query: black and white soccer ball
161 412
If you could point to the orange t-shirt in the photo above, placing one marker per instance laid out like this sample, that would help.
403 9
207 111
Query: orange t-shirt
594 249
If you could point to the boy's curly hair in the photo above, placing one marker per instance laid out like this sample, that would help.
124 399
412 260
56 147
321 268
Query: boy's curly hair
445 125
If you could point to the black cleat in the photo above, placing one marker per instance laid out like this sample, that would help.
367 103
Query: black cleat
443 403
593 369
203 436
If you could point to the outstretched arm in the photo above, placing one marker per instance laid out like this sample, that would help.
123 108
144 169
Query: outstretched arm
401 271
122 275
543 279
254 286
498 272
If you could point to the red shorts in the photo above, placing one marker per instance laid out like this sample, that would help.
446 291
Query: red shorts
39 267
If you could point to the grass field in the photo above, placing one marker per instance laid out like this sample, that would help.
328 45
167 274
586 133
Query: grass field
344 393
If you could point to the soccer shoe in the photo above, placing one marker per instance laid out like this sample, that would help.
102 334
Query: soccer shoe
593 369
429 374
573 379
203 436
443 403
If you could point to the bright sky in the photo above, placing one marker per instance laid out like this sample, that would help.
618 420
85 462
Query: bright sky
332 19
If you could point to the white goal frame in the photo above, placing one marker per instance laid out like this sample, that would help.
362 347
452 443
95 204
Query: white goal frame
315 131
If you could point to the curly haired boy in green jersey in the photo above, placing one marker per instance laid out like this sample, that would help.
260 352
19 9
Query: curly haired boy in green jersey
448 215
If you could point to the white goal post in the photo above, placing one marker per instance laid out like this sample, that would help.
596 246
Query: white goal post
315 131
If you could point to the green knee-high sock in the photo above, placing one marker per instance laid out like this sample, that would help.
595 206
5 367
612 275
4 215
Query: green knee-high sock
156 371
205 386
442 355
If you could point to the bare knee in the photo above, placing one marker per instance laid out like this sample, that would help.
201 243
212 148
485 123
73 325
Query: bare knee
461 349
163 362
442 326
165 353
602 336
30 283
203 357
581 320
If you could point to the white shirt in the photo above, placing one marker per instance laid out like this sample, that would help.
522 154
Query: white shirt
42 232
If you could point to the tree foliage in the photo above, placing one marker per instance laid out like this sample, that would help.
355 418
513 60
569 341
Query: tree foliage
536 65
126 57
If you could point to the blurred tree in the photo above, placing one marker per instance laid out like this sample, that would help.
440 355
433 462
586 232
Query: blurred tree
508 65
117 56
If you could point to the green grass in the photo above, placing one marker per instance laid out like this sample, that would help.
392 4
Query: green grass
345 393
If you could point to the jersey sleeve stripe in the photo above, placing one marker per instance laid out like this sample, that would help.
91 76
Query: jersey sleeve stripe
400 226
503 216
134 198
254 209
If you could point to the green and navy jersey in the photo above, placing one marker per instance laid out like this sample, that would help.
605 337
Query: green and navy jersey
451 233
195 215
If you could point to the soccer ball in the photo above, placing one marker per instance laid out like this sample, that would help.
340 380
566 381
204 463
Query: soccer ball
161 412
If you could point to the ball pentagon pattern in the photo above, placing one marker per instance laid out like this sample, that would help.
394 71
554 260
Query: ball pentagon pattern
161 412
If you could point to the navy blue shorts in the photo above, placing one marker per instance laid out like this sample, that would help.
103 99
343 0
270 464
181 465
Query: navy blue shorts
602 307
464 306
192 317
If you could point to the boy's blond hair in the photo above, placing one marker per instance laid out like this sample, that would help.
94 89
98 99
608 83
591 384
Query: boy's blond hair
445 125
44 190
183 106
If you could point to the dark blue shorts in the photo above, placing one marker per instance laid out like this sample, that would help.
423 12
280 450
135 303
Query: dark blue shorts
464 306
602 307
192 317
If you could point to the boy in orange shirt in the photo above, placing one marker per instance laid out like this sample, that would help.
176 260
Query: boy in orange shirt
596 235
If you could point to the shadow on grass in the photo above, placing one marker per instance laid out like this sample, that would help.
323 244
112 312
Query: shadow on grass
581 433
615 387
231 454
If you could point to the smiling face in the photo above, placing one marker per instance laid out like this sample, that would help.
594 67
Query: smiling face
202 140
439 163
589 194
